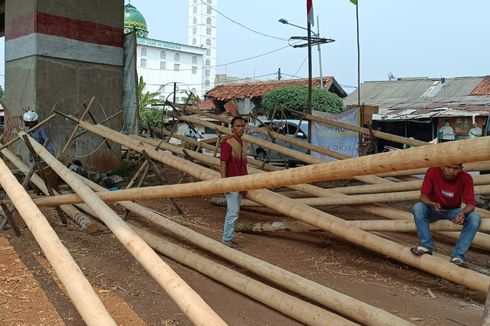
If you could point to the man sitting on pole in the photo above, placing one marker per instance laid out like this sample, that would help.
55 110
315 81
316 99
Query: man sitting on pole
233 163
443 191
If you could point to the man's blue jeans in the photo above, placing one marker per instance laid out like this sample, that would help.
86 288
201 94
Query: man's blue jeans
424 215
233 200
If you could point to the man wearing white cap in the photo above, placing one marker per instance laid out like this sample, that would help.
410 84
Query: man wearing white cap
40 135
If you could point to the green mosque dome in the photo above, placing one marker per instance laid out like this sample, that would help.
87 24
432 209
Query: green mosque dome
134 21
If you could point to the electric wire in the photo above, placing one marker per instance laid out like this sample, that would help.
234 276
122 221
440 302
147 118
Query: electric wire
243 26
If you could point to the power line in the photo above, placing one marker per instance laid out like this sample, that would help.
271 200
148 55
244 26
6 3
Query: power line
241 25
229 63
301 66
231 82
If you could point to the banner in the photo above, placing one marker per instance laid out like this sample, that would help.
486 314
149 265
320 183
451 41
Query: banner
130 100
336 139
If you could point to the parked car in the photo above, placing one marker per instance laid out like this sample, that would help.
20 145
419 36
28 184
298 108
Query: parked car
291 128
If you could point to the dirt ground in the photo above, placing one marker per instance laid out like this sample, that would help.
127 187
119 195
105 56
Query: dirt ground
30 293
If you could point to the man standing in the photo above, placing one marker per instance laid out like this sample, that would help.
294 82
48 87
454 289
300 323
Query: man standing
443 191
233 163
41 136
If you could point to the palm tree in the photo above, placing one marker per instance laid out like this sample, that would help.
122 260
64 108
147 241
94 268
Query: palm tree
149 116
146 99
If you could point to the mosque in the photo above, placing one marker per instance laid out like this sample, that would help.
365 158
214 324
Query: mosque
162 64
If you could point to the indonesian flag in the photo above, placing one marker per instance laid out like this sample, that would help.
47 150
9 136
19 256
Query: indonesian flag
309 12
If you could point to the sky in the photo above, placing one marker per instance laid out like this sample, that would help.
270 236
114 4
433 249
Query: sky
408 38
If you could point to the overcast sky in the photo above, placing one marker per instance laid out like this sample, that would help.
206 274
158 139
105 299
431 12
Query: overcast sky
408 38
433 38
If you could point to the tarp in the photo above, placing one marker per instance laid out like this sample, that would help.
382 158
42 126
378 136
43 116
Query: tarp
336 139
130 78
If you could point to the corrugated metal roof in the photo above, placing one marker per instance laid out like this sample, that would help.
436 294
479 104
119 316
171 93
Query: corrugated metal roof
256 89
426 97
459 110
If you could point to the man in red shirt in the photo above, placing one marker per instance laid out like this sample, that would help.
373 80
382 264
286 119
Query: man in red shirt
443 191
233 163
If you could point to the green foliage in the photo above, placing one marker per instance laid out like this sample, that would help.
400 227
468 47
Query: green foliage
149 116
153 117
295 98
2 94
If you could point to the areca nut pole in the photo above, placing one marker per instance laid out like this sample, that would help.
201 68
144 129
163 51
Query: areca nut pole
181 293
83 296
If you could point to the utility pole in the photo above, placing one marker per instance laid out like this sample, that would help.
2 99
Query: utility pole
310 84
279 74
319 51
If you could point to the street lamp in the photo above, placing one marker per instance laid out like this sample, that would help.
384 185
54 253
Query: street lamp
315 40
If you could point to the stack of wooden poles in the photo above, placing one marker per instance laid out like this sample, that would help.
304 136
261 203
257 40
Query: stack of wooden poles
337 308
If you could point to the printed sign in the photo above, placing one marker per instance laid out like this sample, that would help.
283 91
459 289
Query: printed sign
336 139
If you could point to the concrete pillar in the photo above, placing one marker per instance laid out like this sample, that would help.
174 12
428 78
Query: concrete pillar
58 54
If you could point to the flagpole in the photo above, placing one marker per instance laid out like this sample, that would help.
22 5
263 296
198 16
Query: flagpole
309 9
358 58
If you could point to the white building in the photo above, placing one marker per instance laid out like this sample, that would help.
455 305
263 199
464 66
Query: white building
202 32
163 64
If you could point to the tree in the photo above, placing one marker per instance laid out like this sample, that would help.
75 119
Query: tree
295 97
2 94
149 116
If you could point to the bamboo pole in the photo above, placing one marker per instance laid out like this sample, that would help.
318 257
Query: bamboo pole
446 153
355 309
84 221
361 130
188 301
83 296
288 305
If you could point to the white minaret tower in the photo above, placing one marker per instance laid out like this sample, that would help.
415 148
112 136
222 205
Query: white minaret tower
202 32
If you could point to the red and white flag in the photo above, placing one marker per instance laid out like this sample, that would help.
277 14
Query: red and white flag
309 12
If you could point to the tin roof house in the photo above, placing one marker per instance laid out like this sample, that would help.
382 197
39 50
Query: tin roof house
428 108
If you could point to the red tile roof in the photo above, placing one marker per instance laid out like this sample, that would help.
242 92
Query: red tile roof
483 88
255 89
206 105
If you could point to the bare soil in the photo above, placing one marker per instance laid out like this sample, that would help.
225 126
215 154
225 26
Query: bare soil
30 293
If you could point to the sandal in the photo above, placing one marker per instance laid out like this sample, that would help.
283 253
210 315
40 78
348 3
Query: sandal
420 250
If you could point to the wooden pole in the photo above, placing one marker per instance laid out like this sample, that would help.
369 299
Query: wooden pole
189 302
365 131
440 154
368 225
78 217
486 312
295 308
446 153
369 198
291 140
73 133
397 186
355 309
86 301
472 166
278 148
